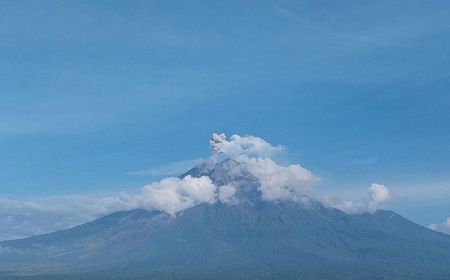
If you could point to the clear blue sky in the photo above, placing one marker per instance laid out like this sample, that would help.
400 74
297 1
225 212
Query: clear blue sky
358 91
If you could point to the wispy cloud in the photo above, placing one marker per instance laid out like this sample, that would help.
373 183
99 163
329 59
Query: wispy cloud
22 217
378 195
30 216
443 227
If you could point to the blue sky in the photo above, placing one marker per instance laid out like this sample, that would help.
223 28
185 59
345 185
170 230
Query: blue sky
358 91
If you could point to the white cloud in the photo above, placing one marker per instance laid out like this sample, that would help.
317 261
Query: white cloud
227 194
443 227
280 182
433 226
173 195
347 206
250 146
378 194
30 216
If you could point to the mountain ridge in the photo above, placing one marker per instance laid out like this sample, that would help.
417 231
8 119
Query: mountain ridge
251 239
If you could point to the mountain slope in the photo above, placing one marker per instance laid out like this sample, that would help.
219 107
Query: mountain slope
252 239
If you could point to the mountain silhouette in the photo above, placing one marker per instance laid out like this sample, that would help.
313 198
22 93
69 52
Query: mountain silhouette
248 239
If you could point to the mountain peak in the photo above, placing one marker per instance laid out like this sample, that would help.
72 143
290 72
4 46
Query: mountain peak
282 239
218 172
230 172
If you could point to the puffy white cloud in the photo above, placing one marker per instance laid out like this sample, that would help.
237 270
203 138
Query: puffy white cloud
227 194
443 227
433 226
280 182
173 195
378 194
29 216
237 146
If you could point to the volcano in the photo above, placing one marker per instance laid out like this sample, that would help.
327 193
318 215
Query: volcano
250 238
